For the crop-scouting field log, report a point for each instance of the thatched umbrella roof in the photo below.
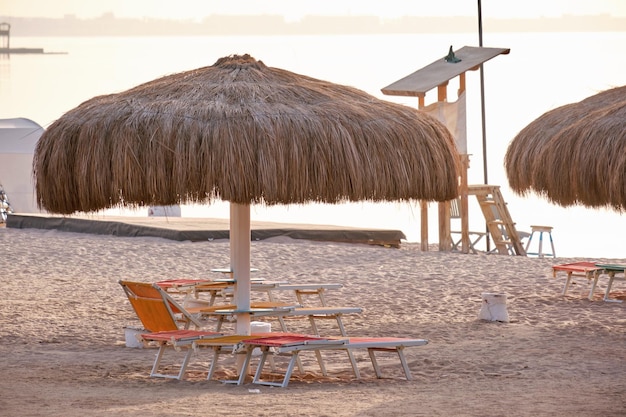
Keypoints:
(245, 133)
(242, 132)
(574, 154)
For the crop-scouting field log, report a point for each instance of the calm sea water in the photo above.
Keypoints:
(543, 71)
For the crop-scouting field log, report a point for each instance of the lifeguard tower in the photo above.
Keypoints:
(437, 75)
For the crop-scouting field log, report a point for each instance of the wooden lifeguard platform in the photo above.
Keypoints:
(499, 222)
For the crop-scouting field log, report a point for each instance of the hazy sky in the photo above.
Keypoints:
(294, 9)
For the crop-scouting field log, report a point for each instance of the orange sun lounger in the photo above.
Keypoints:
(159, 317)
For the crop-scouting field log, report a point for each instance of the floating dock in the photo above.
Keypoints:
(21, 51)
(5, 44)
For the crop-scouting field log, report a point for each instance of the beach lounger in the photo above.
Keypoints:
(613, 271)
(161, 317)
(293, 346)
(301, 290)
(228, 344)
(233, 344)
(588, 270)
(219, 288)
(321, 313)
(592, 271)
(282, 311)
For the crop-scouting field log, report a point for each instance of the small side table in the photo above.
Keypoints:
(541, 230)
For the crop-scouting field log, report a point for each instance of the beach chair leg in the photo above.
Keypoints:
(290, 367)
(322, 298)
(288, 372)
(594, 283)
(245, 365)
(320, 362)
(218, 326)
(530, 239)
(299, 363)
(213, 365)
(299, 297)
(242, 371)
(374, 363)
(318, 354)
(157, 360)
(568, 281)
(342, 329)
(157, 363)
(608, 290)
(405, 365)
(313, 326)
(183, 366)
(259, 370)
(283, 327)
(355, 367)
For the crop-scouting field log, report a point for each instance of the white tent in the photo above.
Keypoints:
(18, 138)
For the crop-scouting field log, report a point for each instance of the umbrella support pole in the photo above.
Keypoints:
(240, 267)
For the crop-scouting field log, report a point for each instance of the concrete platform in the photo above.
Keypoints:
(201, 229)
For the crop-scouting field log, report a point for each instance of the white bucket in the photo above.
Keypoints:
(494, 307)
(132, 336)
(259, 327)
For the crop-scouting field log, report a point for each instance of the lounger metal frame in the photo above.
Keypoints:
(349, 344)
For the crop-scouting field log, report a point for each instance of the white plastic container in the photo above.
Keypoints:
(131, 335)
(494, 307)
(259, 327)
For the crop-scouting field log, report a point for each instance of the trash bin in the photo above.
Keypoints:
(494, 307)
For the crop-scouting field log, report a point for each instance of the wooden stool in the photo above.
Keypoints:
(540, 230)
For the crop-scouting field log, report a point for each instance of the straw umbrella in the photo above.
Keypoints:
(574, 154)
(246, 133)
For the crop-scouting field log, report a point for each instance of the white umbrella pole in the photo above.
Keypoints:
(240, 262)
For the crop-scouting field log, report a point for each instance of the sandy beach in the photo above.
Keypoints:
(63, 353)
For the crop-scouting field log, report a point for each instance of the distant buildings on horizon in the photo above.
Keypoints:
(109, 25)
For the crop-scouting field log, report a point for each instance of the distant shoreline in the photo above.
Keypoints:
(227, 25)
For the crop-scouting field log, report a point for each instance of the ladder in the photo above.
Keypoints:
(499, 222)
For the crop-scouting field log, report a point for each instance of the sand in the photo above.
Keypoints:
(63, 352)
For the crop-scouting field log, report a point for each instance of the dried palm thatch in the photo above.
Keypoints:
(241, 132)
(574, 154)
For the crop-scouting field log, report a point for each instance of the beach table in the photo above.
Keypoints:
(615, 273)
(587, 270)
